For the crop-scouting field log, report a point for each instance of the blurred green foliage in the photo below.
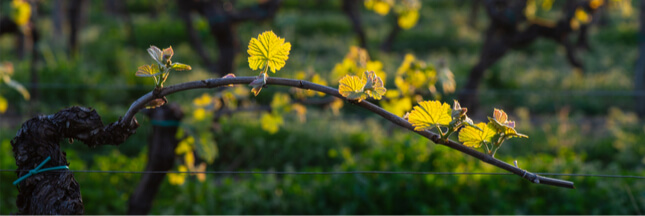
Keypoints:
(574, 126)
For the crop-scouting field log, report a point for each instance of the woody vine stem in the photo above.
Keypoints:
(140, 103)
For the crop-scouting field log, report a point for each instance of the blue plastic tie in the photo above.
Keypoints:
(38, 170)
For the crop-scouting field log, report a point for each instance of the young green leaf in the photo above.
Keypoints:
(180, 67)
(268, 50)
(147, 71)
(474, 138)
(429, 114)
(351, 87)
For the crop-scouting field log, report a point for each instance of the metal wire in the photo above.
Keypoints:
(335, 173)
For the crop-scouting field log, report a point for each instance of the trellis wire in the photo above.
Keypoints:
(334, 173)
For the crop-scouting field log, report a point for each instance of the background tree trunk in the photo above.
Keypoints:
(639, 74)
(161, 157)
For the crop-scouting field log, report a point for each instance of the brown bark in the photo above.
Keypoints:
(352, 9)
(639, 74)
(57, 192)
(161, 155)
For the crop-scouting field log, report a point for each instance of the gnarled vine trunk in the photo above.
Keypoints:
(57, 192)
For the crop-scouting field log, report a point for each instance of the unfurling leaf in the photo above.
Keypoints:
(258, 83)
(180, 67)
(373, 85)
(156, 103)
(156, 54)
(271, 123)
(351, 87)
(268, 50)
(166, 54)
(429, 114)
(503, 125)
(474, 138)
(147, 71)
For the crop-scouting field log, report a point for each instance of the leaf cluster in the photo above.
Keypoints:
(434, 114)
(160, 71)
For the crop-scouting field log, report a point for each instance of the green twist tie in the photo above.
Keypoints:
(165, 123)
(38, 170)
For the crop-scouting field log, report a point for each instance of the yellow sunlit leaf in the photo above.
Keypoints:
(474, 138)
(381, 8)
(268, 50)
(582, 16)
(429, 114)
(351, 87)
(3, 104)
(203, 100)
(178, 178)
(594, 4)
(408, 19)
(189, 160)
(271, 123)
(199, 114)
(21, 12)
(184, 146)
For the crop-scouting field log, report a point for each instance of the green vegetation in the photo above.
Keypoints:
(575, 126)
